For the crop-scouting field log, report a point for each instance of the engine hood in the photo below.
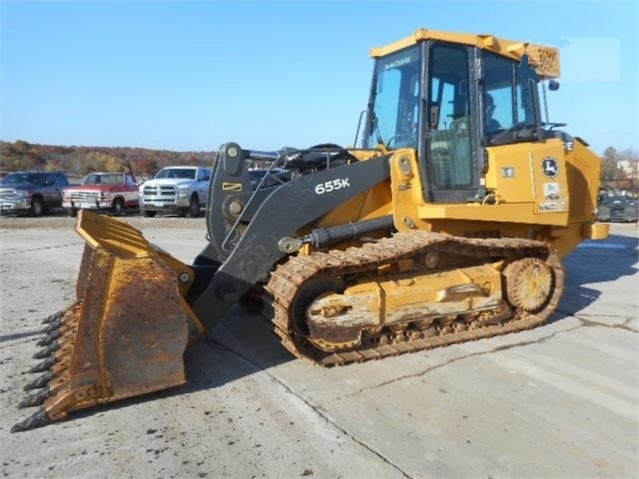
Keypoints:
(168, 182)
(18, 186)
(89, 188)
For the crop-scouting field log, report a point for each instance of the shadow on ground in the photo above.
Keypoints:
(596, 262)
(243, 344)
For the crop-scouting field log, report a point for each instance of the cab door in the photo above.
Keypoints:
(51, 191)
(450, 140)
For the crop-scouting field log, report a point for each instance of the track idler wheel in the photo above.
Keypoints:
(530, 283)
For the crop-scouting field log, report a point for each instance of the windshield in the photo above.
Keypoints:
(183, 173)
(508, 103)
(97, 179)
(16, 178)
(394, 108)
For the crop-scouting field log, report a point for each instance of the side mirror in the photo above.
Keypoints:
(553, 85)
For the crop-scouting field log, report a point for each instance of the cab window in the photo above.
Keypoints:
(203, 175)
(449, 118)
(508, 103)
(396, 100)
(498, 97)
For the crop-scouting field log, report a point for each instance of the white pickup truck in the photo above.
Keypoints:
(181, 189)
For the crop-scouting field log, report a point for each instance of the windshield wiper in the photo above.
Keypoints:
(520, 130)
(554, 125)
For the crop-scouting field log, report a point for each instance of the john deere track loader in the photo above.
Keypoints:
(446, 223)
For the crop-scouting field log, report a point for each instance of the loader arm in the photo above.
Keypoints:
(216, 289)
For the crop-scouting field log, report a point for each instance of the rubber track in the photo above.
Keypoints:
(288, 277)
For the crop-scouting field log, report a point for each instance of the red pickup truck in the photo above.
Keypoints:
(102, 191)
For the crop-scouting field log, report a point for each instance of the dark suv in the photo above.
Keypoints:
(32, 192)
(618, 208)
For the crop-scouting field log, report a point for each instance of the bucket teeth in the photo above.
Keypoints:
(47, 351)
(54, 326)
(37, 419)
(53, 317)
(43, 365)
(49, 338)
(35, 399)
(126, 333)
(40, 381)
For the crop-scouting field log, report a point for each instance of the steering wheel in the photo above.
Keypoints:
(401, 138)
(343, 152)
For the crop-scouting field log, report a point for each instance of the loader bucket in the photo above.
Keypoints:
(126, 333)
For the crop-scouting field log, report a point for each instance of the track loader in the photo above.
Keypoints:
(446, 222)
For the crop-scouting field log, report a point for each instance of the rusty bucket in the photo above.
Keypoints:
(126, 333)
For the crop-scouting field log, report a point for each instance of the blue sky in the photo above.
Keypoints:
(193, 75)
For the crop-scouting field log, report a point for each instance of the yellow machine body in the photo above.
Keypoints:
(448, 272)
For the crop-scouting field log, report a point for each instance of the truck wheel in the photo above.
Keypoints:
(149, 214)
(72, 212)
(194, 207)
(118, 207)
(37, 207)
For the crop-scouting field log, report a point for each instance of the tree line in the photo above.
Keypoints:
(80, 160)
(620, 169)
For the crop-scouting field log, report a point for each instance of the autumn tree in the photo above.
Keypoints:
(628, 161)
(610, 170)
(54, 165)
(80, 160)
(21, 147)
(147, 166)
(113, 164)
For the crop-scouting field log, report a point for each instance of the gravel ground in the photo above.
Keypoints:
(558, 401)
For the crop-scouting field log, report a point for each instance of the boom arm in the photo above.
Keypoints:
(216, 288)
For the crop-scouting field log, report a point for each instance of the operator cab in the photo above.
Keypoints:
(449, 97)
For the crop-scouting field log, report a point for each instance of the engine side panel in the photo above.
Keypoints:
(529, 192)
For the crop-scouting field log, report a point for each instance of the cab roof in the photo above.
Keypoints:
(544, 59)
